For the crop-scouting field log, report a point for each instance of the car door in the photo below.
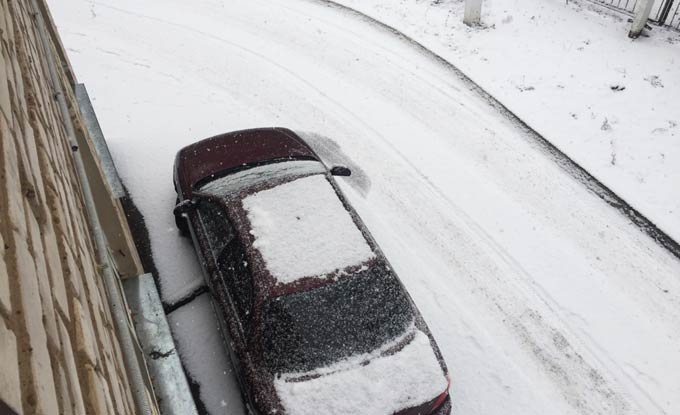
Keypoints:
(229, 275)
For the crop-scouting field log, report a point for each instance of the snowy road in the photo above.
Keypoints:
(542, 297)
(561, 66)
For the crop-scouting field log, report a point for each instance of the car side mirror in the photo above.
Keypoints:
(185, 206)
(340, 171)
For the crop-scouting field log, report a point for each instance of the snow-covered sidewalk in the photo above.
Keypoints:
(569, 71)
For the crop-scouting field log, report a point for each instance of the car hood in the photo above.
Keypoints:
(378, 383)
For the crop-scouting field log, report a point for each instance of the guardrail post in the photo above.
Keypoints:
(644, 8)
(473, 12)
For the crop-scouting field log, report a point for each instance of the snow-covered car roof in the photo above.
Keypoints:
(302, 229)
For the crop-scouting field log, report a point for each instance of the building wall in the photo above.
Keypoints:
(59, 352)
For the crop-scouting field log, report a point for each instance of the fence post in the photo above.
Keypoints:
(473, 12)
(641, 16)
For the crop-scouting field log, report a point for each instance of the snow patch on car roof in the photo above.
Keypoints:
(302, 229)
(367, 384)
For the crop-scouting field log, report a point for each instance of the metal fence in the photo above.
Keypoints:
(622, 5)
(664, 12)
(669, 14)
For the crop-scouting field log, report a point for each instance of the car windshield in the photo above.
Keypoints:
(354, 315)
(224, 186)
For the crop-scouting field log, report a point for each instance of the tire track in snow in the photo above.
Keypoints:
(573, 375)
(572, 372)
(557, 155)
(584, 385)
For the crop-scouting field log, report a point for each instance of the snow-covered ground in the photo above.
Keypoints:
(568, 69)
(543, 298)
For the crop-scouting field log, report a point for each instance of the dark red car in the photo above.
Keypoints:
(315, 319)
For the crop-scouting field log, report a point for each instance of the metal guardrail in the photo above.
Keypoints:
(669, 14)
(623, 5)
(664, 12)
(167, 374)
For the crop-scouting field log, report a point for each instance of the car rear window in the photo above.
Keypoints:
(302, 229)
(354, 315)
